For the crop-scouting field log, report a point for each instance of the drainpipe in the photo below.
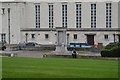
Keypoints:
(68, 38)
(114, 37)
(26, 34)
(9, 25)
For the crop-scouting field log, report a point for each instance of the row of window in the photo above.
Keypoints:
(33, 36)
(106, 37)
(75, 36)
(78, 15)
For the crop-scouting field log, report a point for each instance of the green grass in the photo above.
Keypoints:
(47, 50)
(0, 67)
(14, 67)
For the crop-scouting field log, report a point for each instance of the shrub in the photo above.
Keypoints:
(115, 51)
(111, 50)
(111, 45)
(105, 53)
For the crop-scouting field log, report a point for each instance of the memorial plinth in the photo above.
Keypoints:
(61, 46)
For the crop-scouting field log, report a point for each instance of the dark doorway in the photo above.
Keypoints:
(90, 39)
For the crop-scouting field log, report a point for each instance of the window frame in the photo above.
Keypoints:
(106, 36)
(46, 36)
(33, 36)
(75, 36)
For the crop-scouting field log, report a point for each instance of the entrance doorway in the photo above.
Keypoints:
(90, 39)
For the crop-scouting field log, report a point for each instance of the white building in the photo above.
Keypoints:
(87, 21)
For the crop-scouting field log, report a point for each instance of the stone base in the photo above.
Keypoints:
(61, 50)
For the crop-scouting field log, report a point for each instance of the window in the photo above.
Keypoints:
(108, 15)
(3, 37)
(3, 10)
(93, 15)
(75, 36)
(33, 36)
(51, 15)
(37, 11)
(64, 15)
(46, 36)
(78, 15)
(106, 37)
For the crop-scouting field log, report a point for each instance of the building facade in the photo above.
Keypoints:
(86, 21)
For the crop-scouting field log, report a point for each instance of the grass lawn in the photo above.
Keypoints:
(0, 67)
(14, 67)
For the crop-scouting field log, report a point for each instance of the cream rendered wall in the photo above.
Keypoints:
(29, 15)
(100, 15)
(0, 19)
(114, 14)
(50, 40)
(86, 22)
(12, 7)
(100, 37)
(71, 15)
(44, 15)
(119, 15)
(5, 20)
(57, 14)
(23, 16)
(81, 38)
(40, 37)
(23, 37)
(15, 21)
(86, 17)
(22, 21)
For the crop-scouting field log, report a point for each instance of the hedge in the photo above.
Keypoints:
(111, 50)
